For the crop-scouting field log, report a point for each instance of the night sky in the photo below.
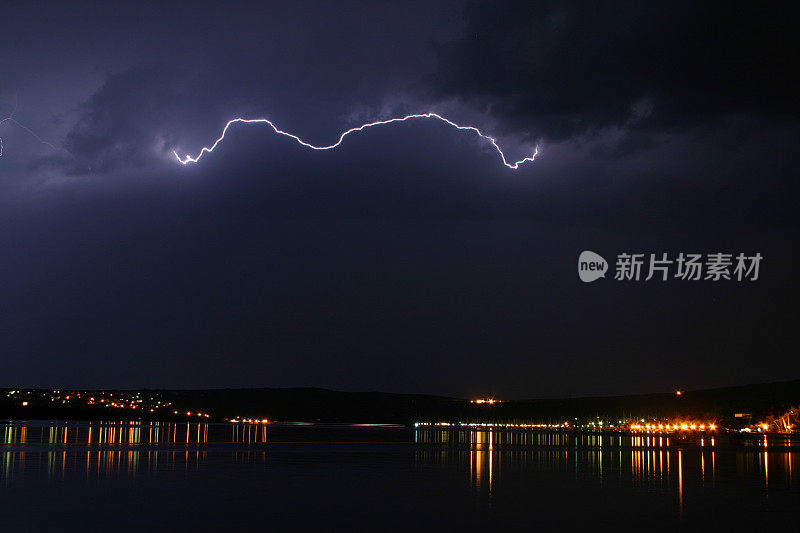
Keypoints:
(409, 259)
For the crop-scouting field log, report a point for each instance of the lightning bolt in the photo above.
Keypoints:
(10, 118)
(513, 165)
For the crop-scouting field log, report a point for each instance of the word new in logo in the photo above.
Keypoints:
(591, 266)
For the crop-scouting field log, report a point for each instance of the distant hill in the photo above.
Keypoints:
(720, 403)
(322, 405)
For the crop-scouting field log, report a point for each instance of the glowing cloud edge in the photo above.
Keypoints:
(515, 165)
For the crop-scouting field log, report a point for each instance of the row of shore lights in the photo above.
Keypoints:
(674, 427)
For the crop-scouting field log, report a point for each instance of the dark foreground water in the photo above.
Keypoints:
(219, 477)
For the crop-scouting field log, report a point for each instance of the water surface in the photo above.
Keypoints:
(120, 476)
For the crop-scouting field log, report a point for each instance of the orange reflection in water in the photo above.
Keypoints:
(106, 434)
(481, 457)
(680, 481)
(129, 449)
(660, 463)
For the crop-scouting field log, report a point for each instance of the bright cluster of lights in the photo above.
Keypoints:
(189, 413)
(683, 426)
(491, 140)
(491, 425)
(485, 400)
(761, 428)
(237, 420)
(72, 398)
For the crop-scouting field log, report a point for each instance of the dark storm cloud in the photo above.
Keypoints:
(369, 269)
(119, 125)
(560, 68)
(172, 73)
(409, 258)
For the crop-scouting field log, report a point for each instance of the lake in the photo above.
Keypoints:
(104, 476)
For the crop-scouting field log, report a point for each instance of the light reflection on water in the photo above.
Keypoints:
(490, 464)
(644, 460)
